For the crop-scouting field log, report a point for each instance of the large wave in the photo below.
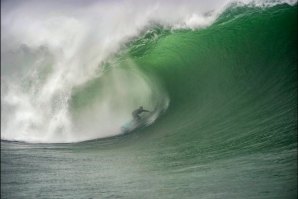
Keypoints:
(73, 71)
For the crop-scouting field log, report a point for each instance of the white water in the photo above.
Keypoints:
(50, 48)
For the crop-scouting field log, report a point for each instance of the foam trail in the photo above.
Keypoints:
(51, 48)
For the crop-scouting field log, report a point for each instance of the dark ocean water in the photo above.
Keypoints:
(230, 130)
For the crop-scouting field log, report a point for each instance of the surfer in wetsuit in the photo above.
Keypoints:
(136, 113)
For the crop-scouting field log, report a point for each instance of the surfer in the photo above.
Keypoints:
(136, 113)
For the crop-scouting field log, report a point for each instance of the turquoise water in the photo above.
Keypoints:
(229, 131)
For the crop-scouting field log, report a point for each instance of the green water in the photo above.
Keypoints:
(230, 130)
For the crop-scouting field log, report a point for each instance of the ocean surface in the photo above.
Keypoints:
(220, 81)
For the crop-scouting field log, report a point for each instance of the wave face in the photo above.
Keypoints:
(234, 82)
(220, 78)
